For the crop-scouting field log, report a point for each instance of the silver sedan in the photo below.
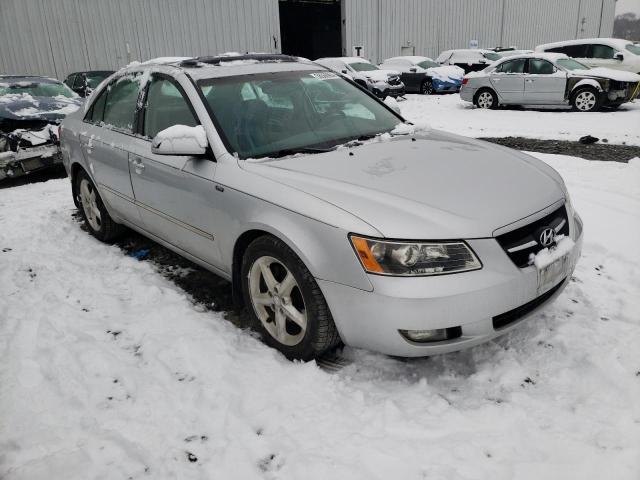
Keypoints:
(548, 79)
(333, 218)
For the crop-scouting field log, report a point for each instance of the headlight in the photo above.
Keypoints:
(399, 258)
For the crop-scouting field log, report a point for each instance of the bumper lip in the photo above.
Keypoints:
(470, 300)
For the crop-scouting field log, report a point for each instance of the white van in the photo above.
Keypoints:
(599, 52)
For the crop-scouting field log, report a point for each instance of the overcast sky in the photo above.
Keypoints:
(624, 6)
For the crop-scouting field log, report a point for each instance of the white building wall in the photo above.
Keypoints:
(431, 26)
(56, 37)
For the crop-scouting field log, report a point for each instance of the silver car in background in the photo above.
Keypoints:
(549, 79)
(332, 217)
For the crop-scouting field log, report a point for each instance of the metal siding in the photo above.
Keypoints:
(56, 37)
(385, 26)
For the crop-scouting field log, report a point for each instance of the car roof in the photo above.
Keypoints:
(552, 57)
(27, 78)
(480, 50)
(617, 42)
(411, 58)
(347, 59)
(226, 65)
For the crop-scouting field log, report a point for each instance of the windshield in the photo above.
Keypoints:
(38, 89)
(363, 66)
(428, 64)
(268, 114)
(633, 48)
(492, 56)
(94, 79)
(571, 64)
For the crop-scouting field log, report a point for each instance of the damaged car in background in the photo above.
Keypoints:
(549, 79)
(30, 110)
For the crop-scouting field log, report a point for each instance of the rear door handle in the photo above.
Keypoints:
(529, 80)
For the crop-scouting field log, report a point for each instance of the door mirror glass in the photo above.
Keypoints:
(180, 140)
(618, 56)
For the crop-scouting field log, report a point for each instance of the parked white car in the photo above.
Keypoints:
(470, 60)
(423, 75)
(381, 83)
(599, 52)
(549, 79)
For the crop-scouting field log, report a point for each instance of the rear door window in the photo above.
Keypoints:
(602, 51)
(512, 66)
(121, 103)
(166, 106)
(537, 66)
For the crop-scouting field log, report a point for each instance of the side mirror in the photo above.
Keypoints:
(344, 70)
(413, 69)
(482, 61)
(180, 140)
(619, 56)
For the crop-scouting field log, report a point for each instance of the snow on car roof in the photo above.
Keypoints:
(26, 79)
(617, 42)
(347, 59)
(552, 57)
(411, 58)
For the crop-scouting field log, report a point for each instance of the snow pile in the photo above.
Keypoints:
(547, 256)
(181, 137)
(446, 73)
(450, 113)
(110, 371)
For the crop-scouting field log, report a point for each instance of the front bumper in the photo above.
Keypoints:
(470, 300)
(389, 90)
(27, 160)
(443, 86)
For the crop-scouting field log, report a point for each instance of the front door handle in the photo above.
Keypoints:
(137, 164)
(529, 80)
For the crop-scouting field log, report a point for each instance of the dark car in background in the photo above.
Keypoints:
(83, 83)
(30, 110)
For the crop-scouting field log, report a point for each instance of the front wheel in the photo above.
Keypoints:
(486, 99)
(284, 301)
(426, 88)
(586, 100)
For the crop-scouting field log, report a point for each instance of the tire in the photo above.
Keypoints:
(313, 332)
(586, 99)
(95, 215)
(486, 99)
(426, 87)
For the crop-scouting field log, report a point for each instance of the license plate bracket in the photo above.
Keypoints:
(550, 275)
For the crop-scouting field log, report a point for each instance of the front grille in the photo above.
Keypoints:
(523, 241)
(505, 319)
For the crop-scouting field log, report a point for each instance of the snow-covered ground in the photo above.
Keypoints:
(450, 113)
(108, 370)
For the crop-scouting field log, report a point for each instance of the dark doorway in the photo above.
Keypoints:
(311, 28)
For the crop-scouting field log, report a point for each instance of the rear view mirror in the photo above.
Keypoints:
(180, 140)
(619, 56)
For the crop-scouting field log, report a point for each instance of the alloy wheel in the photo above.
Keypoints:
(90, 205)
(427, 88)
(485, 100)
(277, 300)
(585, 101)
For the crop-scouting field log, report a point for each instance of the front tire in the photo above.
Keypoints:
(586, 99)
(284, 301)
(486, 99)
(426, 87)
(95, 215)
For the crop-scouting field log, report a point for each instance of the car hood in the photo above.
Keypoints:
(446, 73)
(610, 73)
(434, 187)
(16, 107)
(380, 75)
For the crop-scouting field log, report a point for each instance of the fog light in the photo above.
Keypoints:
(429, 336)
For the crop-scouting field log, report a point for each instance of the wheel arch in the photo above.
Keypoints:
(483, 89)
(74, 170)
(587, 82)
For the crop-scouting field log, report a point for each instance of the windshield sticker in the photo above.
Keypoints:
(324, 75)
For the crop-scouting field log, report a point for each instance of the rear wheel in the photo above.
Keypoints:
(486, 99)
(426, 87)
(284, 301)
(586, 99)
(95, 215)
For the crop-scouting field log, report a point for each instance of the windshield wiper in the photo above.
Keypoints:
(292, 151)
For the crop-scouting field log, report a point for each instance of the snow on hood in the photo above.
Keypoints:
(380, 75)
(22, 106)
(618, 75)
(446, 73)
(438, 186)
